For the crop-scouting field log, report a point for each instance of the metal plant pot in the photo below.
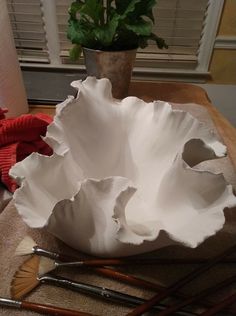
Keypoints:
(114, 65)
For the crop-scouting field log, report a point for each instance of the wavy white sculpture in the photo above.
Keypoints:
(122, 178)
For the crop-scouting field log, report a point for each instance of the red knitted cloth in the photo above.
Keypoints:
(19, 137)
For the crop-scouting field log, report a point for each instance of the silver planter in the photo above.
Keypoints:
(114, 65)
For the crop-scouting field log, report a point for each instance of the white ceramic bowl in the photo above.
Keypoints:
(122, 179)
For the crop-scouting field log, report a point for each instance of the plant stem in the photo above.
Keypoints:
(108, 6)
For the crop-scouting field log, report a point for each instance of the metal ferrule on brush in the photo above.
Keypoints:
(42, 252)
(9, 303)
(69, 264)
(102, 292)
(55, 280)
(91, 289)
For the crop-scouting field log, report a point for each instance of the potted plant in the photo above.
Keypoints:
(109, 33)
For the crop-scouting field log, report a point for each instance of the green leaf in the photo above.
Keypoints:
(93, 9)
(105, 34)
(124, 7)
(136, 9)
(159, 41)
(144, 8)
(121, 5)
(74, 8)
(81, 33)
(74, 32)
(75, 52)
(143, 42)
(140, 27)
(130, 8)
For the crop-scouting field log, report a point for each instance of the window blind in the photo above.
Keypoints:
(28, 30)
(62, 18)
(181, 24)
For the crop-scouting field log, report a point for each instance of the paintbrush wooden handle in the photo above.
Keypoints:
(197, 297)
(41, 308)
(105, 262)
(129, 279)
(51, 310)
(220, 306)
(180, 283)
(136, 261)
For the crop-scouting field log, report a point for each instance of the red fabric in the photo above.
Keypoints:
(19, 137)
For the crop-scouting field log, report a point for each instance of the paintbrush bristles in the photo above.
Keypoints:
(25, 247)
(26, 278)
(46, 265)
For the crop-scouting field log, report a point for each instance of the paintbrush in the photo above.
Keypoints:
(46, 265)
(26, 279)
(28, 246)
(181, 282)
(220, 306)
(170, 310)
(40, 308)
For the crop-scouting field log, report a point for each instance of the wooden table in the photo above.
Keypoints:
(177, 93)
